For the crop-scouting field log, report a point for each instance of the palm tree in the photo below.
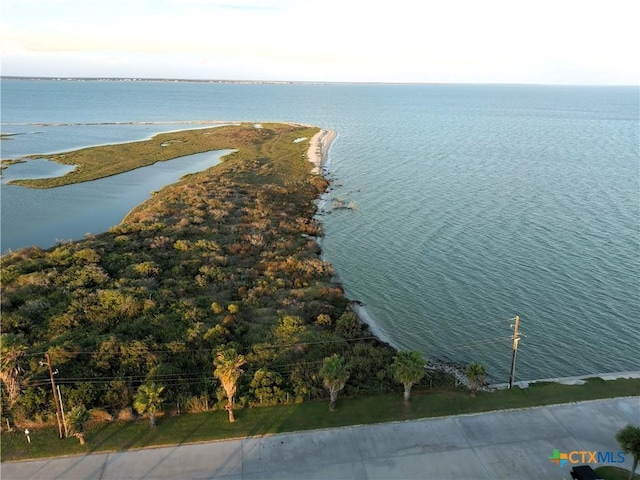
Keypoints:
(77, 419)
(629, 440)
(148, 399)
(408, 369)
(335, 374)
(11, 352)
(477, 374)
(228, 363)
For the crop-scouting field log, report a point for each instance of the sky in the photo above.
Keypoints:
(584, 42)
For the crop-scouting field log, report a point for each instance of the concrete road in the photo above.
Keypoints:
(515, 444)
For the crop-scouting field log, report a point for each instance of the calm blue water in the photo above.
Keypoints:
(46, 216)
(474, 203)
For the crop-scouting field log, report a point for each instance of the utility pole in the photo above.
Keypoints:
(55, 395)
(516, 339)
(64, 421)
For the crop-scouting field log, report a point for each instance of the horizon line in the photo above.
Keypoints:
(287, 82)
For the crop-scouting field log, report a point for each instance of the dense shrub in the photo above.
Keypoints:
(221, 258)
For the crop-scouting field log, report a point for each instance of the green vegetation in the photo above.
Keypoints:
(408, 369)
(180, 429)
(334, 373)
(629, 440)
(225, 259)
(613, 473)
(12, 351)
(228, 371)
(148, 400)
(477, 375)
(106, 160)
(77, 420)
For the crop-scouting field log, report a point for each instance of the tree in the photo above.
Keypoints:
(11, 352)
(266, 387)
(148, 399)
(228, 371)
(408, 369)
(477, 374)
(335, 374)
(349, 326)
(629, 440)
(77, 419)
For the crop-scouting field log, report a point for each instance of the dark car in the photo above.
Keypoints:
(584, 472)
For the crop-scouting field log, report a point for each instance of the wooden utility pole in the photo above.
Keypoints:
(516, 339)
(55, 395)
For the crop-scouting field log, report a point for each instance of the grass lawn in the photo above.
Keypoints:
(612, 473)
(190, 428)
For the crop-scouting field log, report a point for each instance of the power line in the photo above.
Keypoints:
(209, 350)
(192, 378)
(188, 378)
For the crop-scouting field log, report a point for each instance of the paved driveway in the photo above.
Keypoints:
(514, 444)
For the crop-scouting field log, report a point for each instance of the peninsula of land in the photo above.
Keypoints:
(224, 259)
(101, 161)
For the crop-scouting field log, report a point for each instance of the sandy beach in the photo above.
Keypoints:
(318, 148)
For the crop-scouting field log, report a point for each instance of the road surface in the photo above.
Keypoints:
(513, 444)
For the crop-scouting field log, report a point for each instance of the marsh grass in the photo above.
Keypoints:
(274, 142)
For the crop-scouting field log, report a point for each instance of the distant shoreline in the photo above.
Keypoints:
(142, 79)
(290, 82)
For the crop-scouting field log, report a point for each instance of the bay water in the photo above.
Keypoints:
(474, 203)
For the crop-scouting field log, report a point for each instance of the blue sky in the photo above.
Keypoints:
(461, 41)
